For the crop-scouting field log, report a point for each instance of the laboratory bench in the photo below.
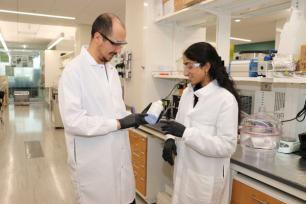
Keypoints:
(279, 179)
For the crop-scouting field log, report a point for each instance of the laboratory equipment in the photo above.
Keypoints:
(239, 68)
(265, 68)
(283, 63)
(260, 132)
(288, 146)
(302, 138)
(253, 68)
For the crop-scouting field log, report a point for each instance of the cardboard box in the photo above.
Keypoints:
(303, 53)
(191, 2)
(301, 66)
(179, 5)
(168, 7)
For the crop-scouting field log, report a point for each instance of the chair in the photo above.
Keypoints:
(1, 103)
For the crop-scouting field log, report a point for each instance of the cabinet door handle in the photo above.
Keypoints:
(258, 200)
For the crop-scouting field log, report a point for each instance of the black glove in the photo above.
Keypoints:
(169, 151)
(146, 108)
(173, 128)
(132, 120)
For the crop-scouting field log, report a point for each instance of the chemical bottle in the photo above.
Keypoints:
(154, 112)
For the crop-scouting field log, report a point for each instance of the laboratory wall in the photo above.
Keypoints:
(151, 47)
(155, 47)
(82, 37)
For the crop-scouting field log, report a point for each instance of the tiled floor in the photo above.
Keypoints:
(27, 174)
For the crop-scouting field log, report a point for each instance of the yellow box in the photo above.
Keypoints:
(303, 53)
(179, 5)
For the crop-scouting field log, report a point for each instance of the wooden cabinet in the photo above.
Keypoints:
(244, 194)
(151, 172)
(139, 159)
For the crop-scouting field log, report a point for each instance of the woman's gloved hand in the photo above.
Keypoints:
(173, 128)
(132, 120)
(169, 151)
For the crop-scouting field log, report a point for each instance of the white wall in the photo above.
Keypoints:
(278, 28)
(52, 65)
(153, 45)
(82, 37)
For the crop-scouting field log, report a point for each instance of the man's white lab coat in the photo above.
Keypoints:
(90, 100)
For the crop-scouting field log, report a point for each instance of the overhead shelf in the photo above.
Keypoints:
(206, 11)
(286, 80)
(170, 76)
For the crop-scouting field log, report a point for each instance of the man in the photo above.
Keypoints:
(94, 116)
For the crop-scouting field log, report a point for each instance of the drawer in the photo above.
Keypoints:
(244, 194)
(139, 161)
(141, 185)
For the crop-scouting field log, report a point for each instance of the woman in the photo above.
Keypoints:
(205, 130)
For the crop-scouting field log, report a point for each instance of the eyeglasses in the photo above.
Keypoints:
(119, 43)
(190, 65)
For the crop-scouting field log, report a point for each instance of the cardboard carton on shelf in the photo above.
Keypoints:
(179, 5)
(191, 2)
(303, 53)
(301, 65)
(168, 7)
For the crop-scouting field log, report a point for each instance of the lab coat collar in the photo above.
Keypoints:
(90, 58)
(210, 87)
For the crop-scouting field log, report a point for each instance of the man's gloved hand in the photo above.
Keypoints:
(169, 151)
(132, 120)
(146, 108)
(173, 128)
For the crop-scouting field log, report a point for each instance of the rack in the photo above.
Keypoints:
(170, 76)
(207, 10)
(292, 80)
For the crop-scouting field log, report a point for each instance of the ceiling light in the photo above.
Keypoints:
(56, 41)
(3, 43)
(240, 39)
(36, 14)
(237, 20)
(145, 4)
(24, 46)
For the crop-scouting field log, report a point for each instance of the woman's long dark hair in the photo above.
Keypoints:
(202, 53)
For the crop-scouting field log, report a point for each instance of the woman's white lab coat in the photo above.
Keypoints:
(90, 101)
(201, 171)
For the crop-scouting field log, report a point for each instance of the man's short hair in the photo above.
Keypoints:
(104, 24)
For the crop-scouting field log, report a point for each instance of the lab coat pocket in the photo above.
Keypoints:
(199, 187)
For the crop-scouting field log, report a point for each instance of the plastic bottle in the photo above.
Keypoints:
(154, 112)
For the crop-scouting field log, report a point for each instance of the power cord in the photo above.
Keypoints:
(300, 117)
(174, 87)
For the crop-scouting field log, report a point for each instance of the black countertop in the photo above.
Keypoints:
(289, 169)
